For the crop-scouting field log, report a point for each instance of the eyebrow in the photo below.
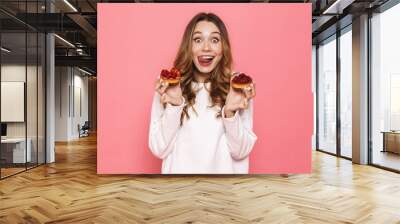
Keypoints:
(198, 32)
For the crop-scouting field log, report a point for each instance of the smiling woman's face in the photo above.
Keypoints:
(206, 46)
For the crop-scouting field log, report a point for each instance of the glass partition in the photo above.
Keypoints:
(14, 153)
(327, 95)
(22, 101)
(385, 89)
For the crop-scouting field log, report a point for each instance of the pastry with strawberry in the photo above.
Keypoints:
(241, 81)
(172, 77)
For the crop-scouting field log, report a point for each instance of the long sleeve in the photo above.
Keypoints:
(164, 125)
(239, 132)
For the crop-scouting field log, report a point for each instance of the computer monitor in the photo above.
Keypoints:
(3, 129)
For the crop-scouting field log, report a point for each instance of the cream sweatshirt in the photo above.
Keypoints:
(204, 144)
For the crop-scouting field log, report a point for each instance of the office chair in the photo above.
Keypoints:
(84, 130)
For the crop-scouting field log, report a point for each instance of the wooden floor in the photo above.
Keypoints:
(70, 191)
(5, 172)
(387, 159)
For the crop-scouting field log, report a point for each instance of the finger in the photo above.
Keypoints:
(165, 98)
(230, 82)
(160, 86)
(250, 91)
(247, 92)
(242, 104)
(164, 86)
(253, 85)
(233, 74)
(157, 85)
(161, 90)
(245, 104)
(162, 98)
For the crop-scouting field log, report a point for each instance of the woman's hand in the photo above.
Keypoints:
(169, 94)
(238, 99)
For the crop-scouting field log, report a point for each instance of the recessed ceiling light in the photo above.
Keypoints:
(64, 40)
(84, 71)
(70, 5)
(338, 6)
(5, 50)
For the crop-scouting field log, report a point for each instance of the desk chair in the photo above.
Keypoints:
(84, 130)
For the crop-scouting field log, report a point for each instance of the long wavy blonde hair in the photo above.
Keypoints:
(219, 77)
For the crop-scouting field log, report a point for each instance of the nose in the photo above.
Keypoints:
(206, 46)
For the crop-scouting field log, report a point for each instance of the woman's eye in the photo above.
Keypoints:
(197, 40)
(215, 40)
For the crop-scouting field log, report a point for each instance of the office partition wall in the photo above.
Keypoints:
(22, 99)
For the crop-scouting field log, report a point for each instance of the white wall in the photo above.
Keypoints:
(62, 81)
(80, 83)
(12, 73)
(33, 127)
(70, 83)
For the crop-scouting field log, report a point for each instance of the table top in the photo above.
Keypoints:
(13, 140)
(391, 132)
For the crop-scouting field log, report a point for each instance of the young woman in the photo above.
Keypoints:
(202, 125)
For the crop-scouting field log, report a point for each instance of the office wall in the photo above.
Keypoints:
(71, 102)
(15, 72)
(33, 126)
(62, 81)
(80, 105)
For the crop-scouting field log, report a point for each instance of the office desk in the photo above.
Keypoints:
(391, 141)
(13, 150)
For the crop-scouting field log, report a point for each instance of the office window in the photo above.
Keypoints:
(385, 88)
(314, 90)
(327, 95)
(346, 92)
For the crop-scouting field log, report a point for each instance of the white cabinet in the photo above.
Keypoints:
(18, 149)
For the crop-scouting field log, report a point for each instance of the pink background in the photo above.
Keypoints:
(270, 42)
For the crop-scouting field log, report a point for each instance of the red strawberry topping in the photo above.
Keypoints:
(174, 73)
(242, 79)
(165, 73)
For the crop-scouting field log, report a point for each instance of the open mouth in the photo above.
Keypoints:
(205, 60)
